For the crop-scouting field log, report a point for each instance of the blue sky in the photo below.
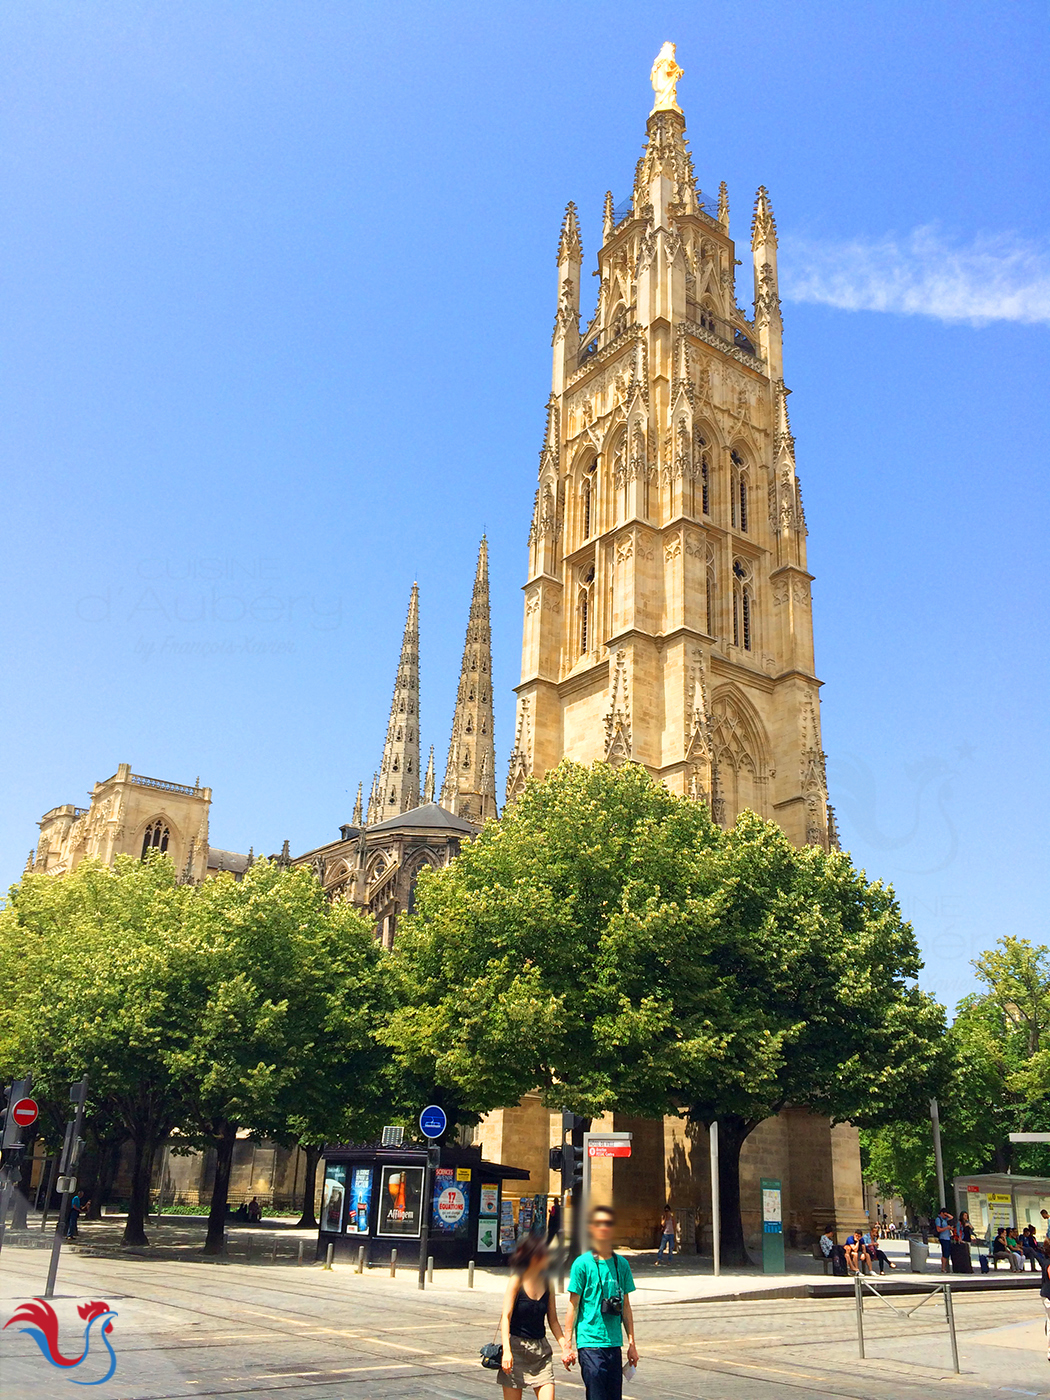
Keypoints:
(278, 283)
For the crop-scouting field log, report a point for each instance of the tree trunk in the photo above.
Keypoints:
(138, 1206)
(226, 1138)
(108, 1165)
(732, 1134)
(308, 1221)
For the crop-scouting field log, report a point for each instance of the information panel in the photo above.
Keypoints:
(772, 1226)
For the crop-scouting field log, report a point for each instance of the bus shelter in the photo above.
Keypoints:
(999, 1199)
(372, 1196)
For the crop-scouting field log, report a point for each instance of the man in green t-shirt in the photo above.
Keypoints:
(600, 1285)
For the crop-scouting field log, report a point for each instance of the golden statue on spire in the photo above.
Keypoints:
(664, 78)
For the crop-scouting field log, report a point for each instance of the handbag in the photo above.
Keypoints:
(492, 1352)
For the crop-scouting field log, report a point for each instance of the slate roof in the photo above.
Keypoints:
(429, 817)
(232, 861)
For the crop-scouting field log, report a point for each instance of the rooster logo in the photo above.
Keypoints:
(43, 1328)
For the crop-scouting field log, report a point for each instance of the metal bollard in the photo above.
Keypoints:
(430, 1268)
(393, 1263)
(302, 1250)
(949, 1310)
(329, 1256)
(361, 1259)
(860, 1316)
(273, 1256)
(470, 1274)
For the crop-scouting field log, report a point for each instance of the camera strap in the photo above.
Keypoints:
(614, 1269)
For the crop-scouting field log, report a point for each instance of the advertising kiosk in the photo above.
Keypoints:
(372, 1196)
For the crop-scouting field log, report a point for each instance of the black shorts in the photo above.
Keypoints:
(946, 1249)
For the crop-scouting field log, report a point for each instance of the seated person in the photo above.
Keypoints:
(856, 1255)
(833, 1251)
(1029, 1246)
(254, 1211)
(1001, 1250)
(876, 1254)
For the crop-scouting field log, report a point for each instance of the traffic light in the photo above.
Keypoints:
(572, 1167)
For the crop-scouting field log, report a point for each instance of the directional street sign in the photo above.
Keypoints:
(25, 1112)
(608, 1147)
(432, 1121)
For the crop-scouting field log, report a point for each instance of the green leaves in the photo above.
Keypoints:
(607, 944)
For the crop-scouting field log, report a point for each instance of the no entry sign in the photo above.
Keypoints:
(25, 1112)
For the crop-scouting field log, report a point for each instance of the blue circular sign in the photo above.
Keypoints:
(432, 1121)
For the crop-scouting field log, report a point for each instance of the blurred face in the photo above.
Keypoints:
(602, 1228)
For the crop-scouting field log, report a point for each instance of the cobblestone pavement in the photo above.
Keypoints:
(243, 1329)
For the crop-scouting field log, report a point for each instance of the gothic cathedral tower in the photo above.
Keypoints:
(667, 608)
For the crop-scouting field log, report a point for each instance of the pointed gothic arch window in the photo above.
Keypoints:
(743, 605)
(711, 600)
(584, 609)
(155, 837)
(470, 724)
(740, 489)
(589, 501)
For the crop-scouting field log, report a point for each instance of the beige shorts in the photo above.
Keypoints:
(532, 1364)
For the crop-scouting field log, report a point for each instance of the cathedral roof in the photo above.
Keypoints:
(428, 817)
(233, 861)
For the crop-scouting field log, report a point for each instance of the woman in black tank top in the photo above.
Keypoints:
(528, 1306)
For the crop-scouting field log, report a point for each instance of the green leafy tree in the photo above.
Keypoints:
(608, 944)
(97, 974)
(289, 990)
(995, 1076)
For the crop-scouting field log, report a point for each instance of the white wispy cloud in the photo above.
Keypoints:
(924, 273)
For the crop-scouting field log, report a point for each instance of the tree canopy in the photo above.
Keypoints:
(993, 1080)
(202, 1008)
(608, 944)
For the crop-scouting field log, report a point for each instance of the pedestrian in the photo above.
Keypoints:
(528, 1307)
(1044, 1293)
(76, 1206)
(554, 1220)
(600, 1288)
(945, 1230)
(666, 1234)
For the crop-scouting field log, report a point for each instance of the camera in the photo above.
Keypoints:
(613, 1307)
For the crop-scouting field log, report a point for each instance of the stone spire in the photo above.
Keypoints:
(373, 801)
(768, 322)
(428, 782)
(469, 788)
(570, 246)
(608, 217)
(357, 806)
(399, 771)
(723, 205)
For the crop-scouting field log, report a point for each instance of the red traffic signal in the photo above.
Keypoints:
(25, 1112)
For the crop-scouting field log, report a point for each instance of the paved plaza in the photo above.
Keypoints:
(185, 1327)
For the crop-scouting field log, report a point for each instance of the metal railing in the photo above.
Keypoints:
(860, 1283)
